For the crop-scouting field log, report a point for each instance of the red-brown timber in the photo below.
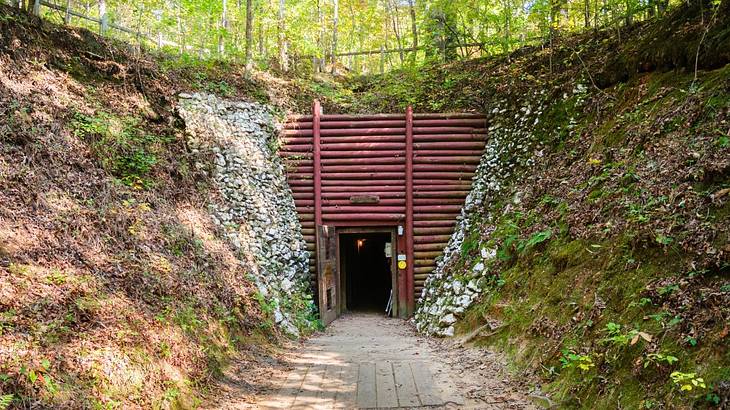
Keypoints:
(416, 170)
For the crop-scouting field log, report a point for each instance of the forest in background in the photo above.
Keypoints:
(343, 36)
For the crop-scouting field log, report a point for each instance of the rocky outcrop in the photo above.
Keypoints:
(257, 211)
(511, 146)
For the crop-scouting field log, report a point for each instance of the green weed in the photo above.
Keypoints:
(617, 337)
(122, 146)
(659, 358)
(579, 361)
(6, 400)
(687, 381)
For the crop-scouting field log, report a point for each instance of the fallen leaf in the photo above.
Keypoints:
(719, 194)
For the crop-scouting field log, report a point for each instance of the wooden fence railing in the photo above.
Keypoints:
(103, 22)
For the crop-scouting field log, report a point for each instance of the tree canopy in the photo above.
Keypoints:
(344, 35)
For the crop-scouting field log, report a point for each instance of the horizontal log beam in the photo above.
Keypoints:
(362, 168)
(371, 177)
(364, 217)
(370, 160)
(439, 201)
(366, 188)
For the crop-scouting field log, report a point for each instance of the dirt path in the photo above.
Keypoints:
(369, 361)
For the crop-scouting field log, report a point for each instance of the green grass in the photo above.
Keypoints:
(122, 146)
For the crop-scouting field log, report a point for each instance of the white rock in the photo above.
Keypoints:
(457, 286)
(448, 319)
(258, 210)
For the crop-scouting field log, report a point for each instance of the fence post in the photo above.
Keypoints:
(37, 8)
(103, 17)
(67, 17)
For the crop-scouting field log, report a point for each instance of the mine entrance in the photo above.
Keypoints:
(367, 266)
(407, 172)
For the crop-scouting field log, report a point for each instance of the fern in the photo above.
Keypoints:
(5, 401)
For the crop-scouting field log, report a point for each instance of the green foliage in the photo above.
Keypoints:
(192, 29)
(6, 400)
(619, 338)
(267, 307)
(687, 381)
(39, 376)
(535, 239)
(304, 312)
(509, 231)
(668, 290)
(723, 141)
(691, 341)
(470, 243)
(188, 320)
(121, 145)
(578, 361)
(712, 399)
(643, 302)
(6, 320)
(218, 87)
(659, 358)
(663, 239)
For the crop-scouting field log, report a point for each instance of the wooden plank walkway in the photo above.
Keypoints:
(366, 385)
(361, 362)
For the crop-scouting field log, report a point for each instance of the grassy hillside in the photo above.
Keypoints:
(116, 290)
(611, 282)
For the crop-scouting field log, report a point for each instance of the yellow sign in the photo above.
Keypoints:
(401, 264)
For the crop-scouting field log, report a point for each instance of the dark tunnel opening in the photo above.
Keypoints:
(367, 270)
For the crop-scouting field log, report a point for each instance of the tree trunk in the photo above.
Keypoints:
(393, 11)
(414, 29)
(180, 32)
(249, 33)
(587, 13)
(321, 38)
(224, 29)
(507, 26)
(335, 22)
(262, 45)
(283, 57)
(355, 61)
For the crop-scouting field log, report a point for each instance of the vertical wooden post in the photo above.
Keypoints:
(316, 111)
(67, 16)
(103, 17)
(410, 301)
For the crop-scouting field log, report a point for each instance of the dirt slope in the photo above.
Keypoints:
(607, 260)
(116, 291)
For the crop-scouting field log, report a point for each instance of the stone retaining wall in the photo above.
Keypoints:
(257, 212)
